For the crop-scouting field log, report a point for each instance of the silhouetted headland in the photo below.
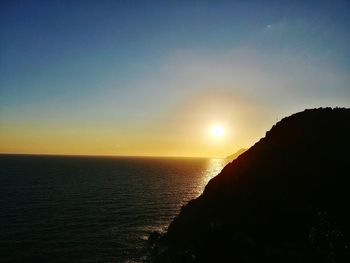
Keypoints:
(235, 155)
(286, 199)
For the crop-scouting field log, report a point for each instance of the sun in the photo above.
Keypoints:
(217, 131)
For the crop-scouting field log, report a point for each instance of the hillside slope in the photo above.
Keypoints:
(286, 199)
(235, 155)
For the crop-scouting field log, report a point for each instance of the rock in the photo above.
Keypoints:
(265, 205)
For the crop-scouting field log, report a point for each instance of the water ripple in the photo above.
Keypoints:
(84, 209)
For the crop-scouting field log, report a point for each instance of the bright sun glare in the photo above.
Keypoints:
(217, 131)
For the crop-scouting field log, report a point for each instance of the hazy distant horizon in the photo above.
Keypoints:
(111, 155)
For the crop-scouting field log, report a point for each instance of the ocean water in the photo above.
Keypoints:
(92, 209)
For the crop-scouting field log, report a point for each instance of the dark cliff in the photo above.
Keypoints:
(286, 199)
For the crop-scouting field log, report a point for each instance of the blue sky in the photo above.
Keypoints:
(129, 66)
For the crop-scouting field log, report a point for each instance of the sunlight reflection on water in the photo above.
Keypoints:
(214, 167)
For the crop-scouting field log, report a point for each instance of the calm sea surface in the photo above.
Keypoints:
(92, 209)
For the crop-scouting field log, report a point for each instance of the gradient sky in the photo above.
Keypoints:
(151, 77)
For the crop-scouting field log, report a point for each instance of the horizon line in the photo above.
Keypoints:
(110, 155)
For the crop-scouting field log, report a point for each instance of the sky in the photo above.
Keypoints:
(150, 78)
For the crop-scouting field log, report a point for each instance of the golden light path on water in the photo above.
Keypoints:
(194, 188)
(214, 167)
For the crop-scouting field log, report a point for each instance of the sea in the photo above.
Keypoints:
(92, 209)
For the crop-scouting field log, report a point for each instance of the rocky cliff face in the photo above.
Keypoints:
(286, 199)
